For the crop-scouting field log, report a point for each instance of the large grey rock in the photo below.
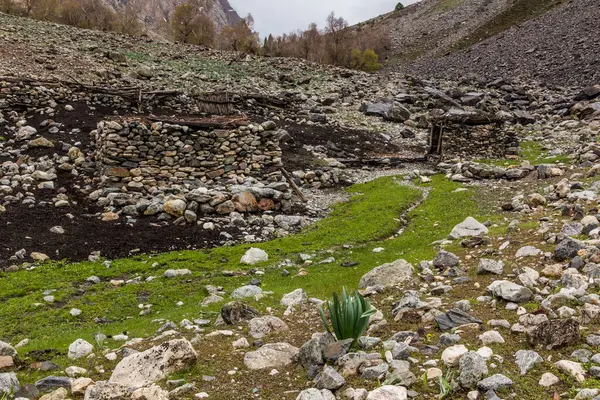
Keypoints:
(315, 394)
(236, 312)
(294, 298)
(378, 109)
(445, 259)
(9, 383)
(454, 318)
(271, 355)
(262, 326)
(7, 350)
(510, 291)
(387, 275)
(490, 266)
(329, 378)
(526, 360)
(50, 383)
(567, 249)
(246, 291)
(155, 364)
(107, 391)
(312, 352)
(555, 333)
(494, 382)
(397, 113)
(388, 392)
(469, 227)
(472, 368)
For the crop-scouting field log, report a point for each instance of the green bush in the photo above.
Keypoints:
(348, 315)
(367, 61)
(399, 7)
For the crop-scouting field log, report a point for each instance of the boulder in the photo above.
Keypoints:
(235, 312)
(469, 227)
(329, 378)
(7, 350)
(472, 369)
(555, 333)
(294, 298)
(510, 291)
(315, 394)
(526, 360)
(445, 259)
(271, 355)
(246, 291)
(9, 383)
(107, 391)
(451, 355)
(572, 368)
(494, 382)
(388, 392)
(487, 266)
(454, 318)
(254, 256)
(155, 364)
(262, 326)
(387, 275)
(79, 349)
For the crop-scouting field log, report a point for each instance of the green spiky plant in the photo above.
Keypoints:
(446, 388)
(348, 315)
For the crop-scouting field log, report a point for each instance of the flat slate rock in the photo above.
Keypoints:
(454, 318)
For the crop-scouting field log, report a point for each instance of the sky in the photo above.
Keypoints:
(283, 16)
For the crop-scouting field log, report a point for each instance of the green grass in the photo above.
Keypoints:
(138, 56)
(529, 151)
(370, 219)
(447, 5)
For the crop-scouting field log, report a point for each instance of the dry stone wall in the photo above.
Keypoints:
(483, 141)
(143, 155)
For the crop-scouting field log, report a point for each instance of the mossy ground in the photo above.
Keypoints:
(532, 152)
(370, 219)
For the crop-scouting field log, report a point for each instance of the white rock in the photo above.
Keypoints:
(254, 256)
(469, 227)
(155, 364)
(452, 354)
(294, 298)
(548, 379)
(388, 392)
(79, 349)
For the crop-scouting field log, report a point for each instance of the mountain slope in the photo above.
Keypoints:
(559, 47)
(154, 13)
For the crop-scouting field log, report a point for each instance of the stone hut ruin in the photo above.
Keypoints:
(471, 135)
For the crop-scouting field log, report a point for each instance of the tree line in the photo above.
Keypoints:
(190, 22)
(88, 14)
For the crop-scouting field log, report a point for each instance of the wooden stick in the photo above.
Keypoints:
(295, 187)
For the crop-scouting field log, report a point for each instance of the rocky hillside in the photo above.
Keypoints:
(561, 47)
(551, 40)
(156, 12)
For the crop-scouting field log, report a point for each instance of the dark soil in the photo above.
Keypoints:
(340, 144)
(28, 227)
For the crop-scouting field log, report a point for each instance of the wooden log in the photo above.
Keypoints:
(295, 187)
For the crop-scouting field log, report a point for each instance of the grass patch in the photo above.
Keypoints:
(370, 219)
(529, 151)
(137, 56)
(446, 5)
